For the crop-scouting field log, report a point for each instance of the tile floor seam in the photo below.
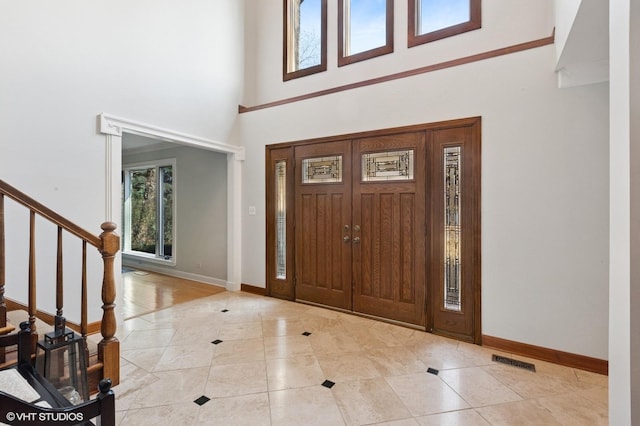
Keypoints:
(453, 390)
(153, 369)
(522, 396)
(342, 414)
(483, 417)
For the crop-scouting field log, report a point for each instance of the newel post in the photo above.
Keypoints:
(109, 346)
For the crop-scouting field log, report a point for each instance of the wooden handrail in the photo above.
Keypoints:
(108, 244)
(49, 214)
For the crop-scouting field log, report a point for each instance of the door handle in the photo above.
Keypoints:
(356, 240)
(346, 238)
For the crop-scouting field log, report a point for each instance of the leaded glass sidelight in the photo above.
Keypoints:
(281, 219)
(452, 229)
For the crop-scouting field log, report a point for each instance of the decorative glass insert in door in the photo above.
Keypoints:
(389, 165)
(452, 229)
(281, 219)
(322, 170)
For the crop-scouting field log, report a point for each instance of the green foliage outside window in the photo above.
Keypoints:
(145, 226)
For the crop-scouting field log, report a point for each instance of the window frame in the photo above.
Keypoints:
(286, 48)
(367, 54)
(474, 23)
(126, 212)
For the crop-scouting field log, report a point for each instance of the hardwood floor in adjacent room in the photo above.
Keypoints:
(145, 292)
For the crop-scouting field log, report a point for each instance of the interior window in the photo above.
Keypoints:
(365, 29)
(305, 37)
(431, 20)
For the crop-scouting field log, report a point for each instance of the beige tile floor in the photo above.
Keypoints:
(266, 372)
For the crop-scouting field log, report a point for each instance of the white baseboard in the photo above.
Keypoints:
(180, 274)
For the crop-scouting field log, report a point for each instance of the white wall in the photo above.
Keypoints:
(565, 14)
(504, 23)
(582, 42)
(169, 63)
(544, 162)
(200, 250)
(178, 65)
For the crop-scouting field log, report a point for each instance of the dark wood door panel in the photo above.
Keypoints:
(408, 244)
(387, 283)
(323, 250)
(389, 278)
(323, 258)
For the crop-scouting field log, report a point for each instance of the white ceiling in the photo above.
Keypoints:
(132, 143)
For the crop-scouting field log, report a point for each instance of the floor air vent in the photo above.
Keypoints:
(513, 362)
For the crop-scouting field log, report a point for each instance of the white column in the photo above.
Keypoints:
(234, 225)
(624, 267)
(634, 255)
(113, 207)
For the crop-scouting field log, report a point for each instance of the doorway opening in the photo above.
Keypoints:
(114, 129)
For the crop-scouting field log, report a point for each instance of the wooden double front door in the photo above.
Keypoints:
(360, 223)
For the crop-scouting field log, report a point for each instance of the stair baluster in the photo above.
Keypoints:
(108, 244)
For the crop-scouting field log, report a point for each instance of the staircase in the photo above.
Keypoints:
(104, 359)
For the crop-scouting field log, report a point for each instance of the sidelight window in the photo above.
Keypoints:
(281, 219)
(452, 229)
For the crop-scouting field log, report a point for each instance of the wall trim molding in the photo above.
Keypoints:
(92, 327)
(409, 73)
(111, 125)
(567, 359)
(147, 266)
